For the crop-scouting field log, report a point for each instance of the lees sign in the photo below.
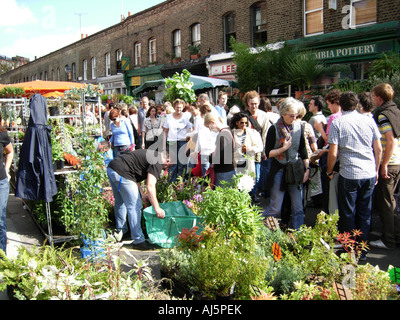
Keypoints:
(228, 68)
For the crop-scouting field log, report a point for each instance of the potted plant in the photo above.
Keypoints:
(57, 149)
(303, 69)
(87, 188)
(194, 51)
(180, 87)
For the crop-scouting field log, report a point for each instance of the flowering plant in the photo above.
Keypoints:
(193, 204)
(245, 183)
(108, 196)
(189, 238)
(352, 246)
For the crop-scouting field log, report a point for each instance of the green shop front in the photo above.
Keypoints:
(137, 77)
(356, 48)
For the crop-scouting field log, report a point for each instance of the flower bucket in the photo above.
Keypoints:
(164, 232)
(92, 249)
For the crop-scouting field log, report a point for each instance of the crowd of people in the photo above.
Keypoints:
(348, 162)
(339, 162)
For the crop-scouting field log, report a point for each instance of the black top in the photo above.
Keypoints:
(4, 142)
(222, 158)
(270, 143)
(137, 164)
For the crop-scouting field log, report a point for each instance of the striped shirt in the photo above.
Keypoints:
(385, 126)
(354, 135)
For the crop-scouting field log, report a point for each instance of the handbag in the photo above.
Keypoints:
(294, 172)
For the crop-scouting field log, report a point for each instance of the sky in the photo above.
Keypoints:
(30, 28)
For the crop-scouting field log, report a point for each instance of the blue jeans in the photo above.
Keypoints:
(178, 159)
(355, 205)
(257, 166)
(223, 176)
(4, 192)
(205, 163)
(276, 200)
(128, 202)
(117, 150)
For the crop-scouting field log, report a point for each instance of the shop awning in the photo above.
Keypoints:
(199, 83)
(148, 85)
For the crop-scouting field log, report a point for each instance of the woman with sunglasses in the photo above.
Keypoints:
(248, 142)
(152, 130)
(122, 137)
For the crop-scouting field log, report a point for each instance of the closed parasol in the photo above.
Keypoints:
(35, 178)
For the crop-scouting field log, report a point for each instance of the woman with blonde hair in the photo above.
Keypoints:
(285, 142)
(176, 126)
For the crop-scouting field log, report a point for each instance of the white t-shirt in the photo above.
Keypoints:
(177, 128)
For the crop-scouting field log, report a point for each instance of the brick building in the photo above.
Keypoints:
(155, 43)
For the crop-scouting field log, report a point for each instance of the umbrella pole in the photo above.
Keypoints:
(49, 227)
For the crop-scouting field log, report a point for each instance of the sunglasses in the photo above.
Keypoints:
(242, 122)
(113, 119)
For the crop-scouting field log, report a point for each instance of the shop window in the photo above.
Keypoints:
(229, 30)
(93, 68)
(138, 54)
(152, 50)
(177, 49)
(313, 17)
(363, 12)
(259, 23)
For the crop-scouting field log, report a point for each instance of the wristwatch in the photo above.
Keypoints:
(329, 174)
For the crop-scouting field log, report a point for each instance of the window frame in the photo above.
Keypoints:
(108, 64)
(309, 12)
(151, 51)
(177, 43)
(93, 64)
(227, 35)
(85, 69)
(254, 25)
(353, 15)
(118, 60)
(195, 30)
(138, 53)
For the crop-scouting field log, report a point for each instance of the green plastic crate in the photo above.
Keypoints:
(178, 216)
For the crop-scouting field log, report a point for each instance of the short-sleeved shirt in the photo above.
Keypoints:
(177, 128)
(318, 117)
(354, 135)
(384, 127)
(136, 165)
(4, 142)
